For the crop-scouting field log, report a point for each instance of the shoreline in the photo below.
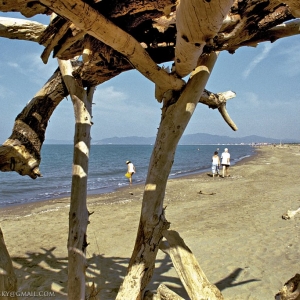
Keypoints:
(44, 202)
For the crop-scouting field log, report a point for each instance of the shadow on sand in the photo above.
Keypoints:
(44, 272)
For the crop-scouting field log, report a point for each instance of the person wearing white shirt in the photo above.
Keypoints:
(215, 164)
(130, 170)
(225, 162)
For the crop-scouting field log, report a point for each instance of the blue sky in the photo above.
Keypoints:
(266, 80)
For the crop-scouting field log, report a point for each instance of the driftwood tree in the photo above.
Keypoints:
(112, 37)
(78, 215)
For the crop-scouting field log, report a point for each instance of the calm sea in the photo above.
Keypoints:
(106, 169)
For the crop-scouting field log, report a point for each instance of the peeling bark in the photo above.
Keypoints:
(21, 151)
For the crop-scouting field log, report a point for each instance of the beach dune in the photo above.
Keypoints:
(234, 228)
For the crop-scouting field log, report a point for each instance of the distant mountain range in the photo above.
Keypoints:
(196, 139)
(189, 139)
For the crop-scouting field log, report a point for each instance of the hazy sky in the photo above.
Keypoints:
(266, 80)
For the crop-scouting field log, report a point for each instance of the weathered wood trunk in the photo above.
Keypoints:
(174, 120)
(8, 279)
(187, 267)
(78, 215)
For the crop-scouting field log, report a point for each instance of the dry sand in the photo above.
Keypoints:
(238, 235)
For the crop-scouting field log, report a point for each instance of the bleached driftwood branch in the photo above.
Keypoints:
(290, 290)
(188, 269)
(206, 193)
(163, 293)
(21, 29)
(196, 26)
(290, 28)
(219, 101)
(27, 8)
(71, 40)
(78, 215)
(54, 41)
(290, 214)
(223, 111)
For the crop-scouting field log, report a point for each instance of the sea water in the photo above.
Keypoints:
(107, 166)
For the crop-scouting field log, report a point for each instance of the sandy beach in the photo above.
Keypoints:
(237, 234)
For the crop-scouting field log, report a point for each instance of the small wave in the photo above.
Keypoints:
(189, 171)
(240, 158)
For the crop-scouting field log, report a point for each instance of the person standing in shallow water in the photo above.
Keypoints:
(130, 170)
(215, 164)
(225, 161)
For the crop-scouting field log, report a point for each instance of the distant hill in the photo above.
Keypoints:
(194, 139)
(203, 138)
(57, 142)
(132, 140)
(189, 139)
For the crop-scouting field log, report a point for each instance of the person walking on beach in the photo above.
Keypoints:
(215, 164)
(225, 161)
(130, 170)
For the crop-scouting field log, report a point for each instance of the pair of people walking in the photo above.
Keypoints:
(225, 162)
